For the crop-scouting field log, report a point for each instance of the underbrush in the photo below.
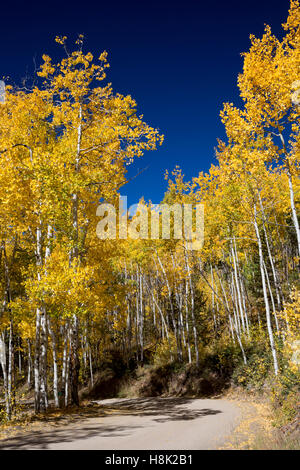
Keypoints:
(278, 442)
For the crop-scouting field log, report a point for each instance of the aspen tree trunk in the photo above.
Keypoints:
(5, 378)
(129, 319)
(192, 308)
(244, 296)
(274, 272)
(242, 288)
(137, 317)
(263, 278)
(213, 298)
(227, 305)
(178, 298)
(141, 331)
(43, 362)
(235, 306)
(241, 346)
(237, 288)
(271, 297)
(179, 301)
(163, 321)
(91, 366)
(40, 362)
(74, 364)
(236, 323)
(55, 365)
(294, 212)
(64, 370)
(129, 326)
(37, 363)
(84, 350)
(292, 197)
(10, 375)
(187, 322)
(67, 372)
(29, 364)
(154, 314)
(235, 315)
(179, 350)
(231, 328)
(20, 357)
(181, 323)
(37, 383)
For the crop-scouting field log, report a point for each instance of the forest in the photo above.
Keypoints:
(71, 303)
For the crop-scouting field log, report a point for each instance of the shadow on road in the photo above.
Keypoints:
(171, 408)
(40, 439)
(81, 425)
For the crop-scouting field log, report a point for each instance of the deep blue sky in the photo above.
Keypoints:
(179, 60)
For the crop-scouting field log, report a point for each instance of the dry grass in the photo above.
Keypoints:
(256, 430)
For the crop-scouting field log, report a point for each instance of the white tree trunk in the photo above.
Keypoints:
(267, 306)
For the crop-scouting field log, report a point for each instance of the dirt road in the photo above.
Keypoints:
(141, 423)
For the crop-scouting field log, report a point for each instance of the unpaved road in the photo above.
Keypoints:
(140, 423)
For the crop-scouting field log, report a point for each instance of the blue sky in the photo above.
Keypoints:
(179, 60)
